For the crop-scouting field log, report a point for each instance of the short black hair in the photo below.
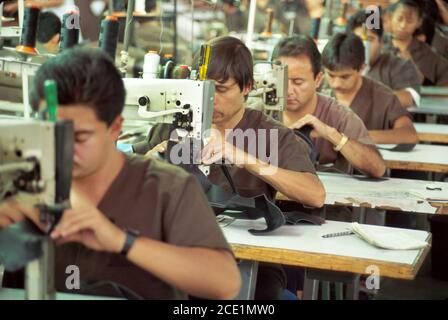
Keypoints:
(417, 5)
(229, 57)
(344, 50)
(298, 45)
(84, 76)
(359, 19)
(48, 26)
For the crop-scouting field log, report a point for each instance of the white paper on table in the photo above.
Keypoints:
(388, 239)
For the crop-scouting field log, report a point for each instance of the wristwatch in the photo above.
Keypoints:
(342, 143)
(131, 236)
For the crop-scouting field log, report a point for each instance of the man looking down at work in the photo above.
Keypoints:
(340, 137)
(378, 107)
(242, 139)
(399, 75)
(179, 248)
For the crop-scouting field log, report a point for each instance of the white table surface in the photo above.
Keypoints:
(434, 91)
(19, 294)
(430, 105)
(425, 154)
(433, 128)
(393, 193)
(308, 239)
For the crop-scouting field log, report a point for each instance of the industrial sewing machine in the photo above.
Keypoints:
(187, 105)
(35, 169)
(270, 88)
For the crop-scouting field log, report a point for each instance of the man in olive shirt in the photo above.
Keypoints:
(378, 107)
(405, 19)
(231, 68)
(330, 121)
(292, 173)
(180, 248)
(400, 75)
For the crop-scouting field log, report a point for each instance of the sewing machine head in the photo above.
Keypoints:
(271, 88)
(34, 160)
(186, 104)
(35, 169)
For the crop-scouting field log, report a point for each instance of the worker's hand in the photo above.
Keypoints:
(12, 212)
(90, 227)
(161, 147)
(320, 129)
(217, 150)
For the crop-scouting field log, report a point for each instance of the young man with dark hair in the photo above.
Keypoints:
(406, 18)
(231, 68)
(331, 122)
(377, 106)
(400, 75)
(48, 33)
(180, 248)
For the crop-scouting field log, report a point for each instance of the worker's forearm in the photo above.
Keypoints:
(363, 157)
(395, 136)
(302, 187)
(201, 272)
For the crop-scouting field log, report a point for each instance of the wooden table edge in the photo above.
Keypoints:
(338, 263)
(416, 166)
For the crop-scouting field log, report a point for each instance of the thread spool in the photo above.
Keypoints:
(204, 61)
(151, 65)
(69, 30)
(167, 57)
(109, 35)
(366, 44)
(29, 31)
(342, 20)
(268, 27)
(315, 26)
(140, 6)
(51, 97)
(167, 69)
(181, 72)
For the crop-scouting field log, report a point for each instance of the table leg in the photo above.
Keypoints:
(359, 215)
(339, 290)
(249, 271)
(310, 288)
(2, 272)
(325, 290)
(353, 289)
(362, 215)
